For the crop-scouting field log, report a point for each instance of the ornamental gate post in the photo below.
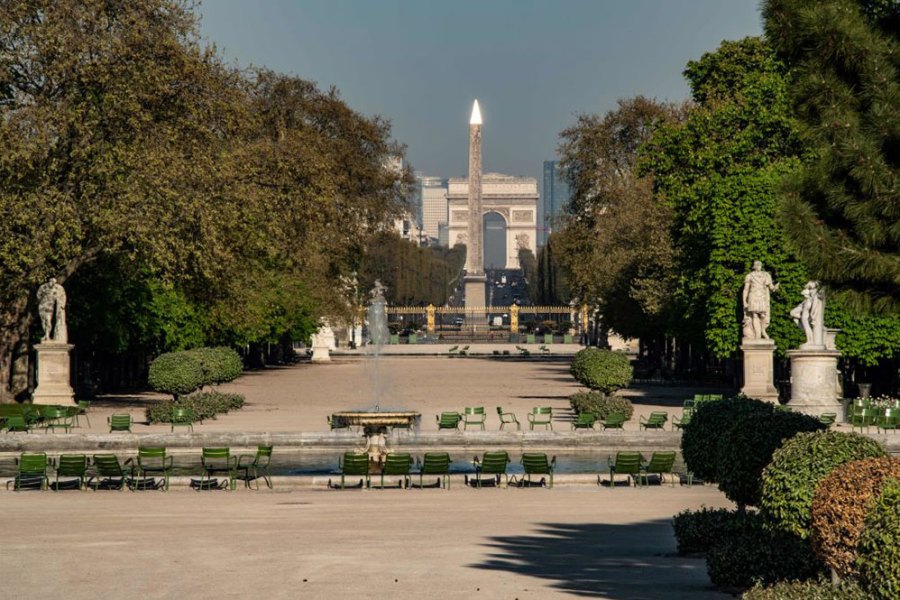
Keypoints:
(429, 312)
(514, 318)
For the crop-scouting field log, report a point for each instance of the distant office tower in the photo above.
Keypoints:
(555, 197)
(431, 206)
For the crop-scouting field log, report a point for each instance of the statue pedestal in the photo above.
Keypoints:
(758, 370)
(53, 368)
(814, 380)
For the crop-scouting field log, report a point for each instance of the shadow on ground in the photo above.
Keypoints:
(598, 560)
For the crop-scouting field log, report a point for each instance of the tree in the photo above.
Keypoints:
(615, 240)
(718, 170)
(840, 210)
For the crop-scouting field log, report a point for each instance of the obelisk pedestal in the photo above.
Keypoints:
(759, 370)
(53, 374)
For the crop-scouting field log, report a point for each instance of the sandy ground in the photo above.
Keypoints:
(300, 397)
(462, 543)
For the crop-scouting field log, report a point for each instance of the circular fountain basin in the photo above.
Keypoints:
(371, 418)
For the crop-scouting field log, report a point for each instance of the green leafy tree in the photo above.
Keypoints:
(841, 209)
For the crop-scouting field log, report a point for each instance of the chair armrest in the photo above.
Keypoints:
(233, 462)
(241, 458)
(553, 462)
(170, 460)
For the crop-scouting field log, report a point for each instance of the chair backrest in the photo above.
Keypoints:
(16, 423)
(535, 462)
(355, 463)
(151, 456)
(182, 414)
(263, 456)
(615, 418)
(84, 405)
(55, 412)
(494, 462)
(120, 422)
(586, 417)
(474, 411)
(449, 419)
(658, 418)
(436, 463)
(688, 403)
(628, 462)
(214, 455)
(661, 462)
(71, 465)
(33, 463)
(107, 465)
(397, 464)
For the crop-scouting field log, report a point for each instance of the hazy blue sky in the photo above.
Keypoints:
(532, 64)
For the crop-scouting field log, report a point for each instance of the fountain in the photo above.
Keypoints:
(375, 421)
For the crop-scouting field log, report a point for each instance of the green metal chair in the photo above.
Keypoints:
(397, 465)
(660, 463)
(541, 415)
(828, 419)
(31, 470)
(507, 418)
(684, 421)
(436, 463)
(536, 463)
(863, 418)
(656, 420)
(354, 464)
(493, 464)
(888, 420)
(784, 408)
(182, 417)
(59, 417)
(17, 423)
(614, 421)
(626, 463)
(448, 420)
(83, 407)
(256, 464)
(217, 460)
(119, 423)
(584, 420)
(474, 415)
(152, 460)
(108, 471)
(73, 467)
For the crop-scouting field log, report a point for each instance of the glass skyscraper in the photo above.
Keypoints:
(554, 198)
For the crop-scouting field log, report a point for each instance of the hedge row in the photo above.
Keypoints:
(183, 372)
(879, 545)
(600, 404)
(206, 405)
(807, 590)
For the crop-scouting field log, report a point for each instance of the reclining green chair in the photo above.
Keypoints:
(685, 419)
(541, 415)
(31, 470)
(397, 465)
(119, 423)
(256, 465)
(354, 464)
(659, 464)
(59, 417)
(507, 418)
(217, 460)
(152, 460)
(436, 463)
(474, 415)
(584, 420)
(493, 464)
(109, 472)
(888, 420)
(17, 423)
(656, 420)
(73, 467)
(626, 463)
(183, 417)
(614, 420)
(83, 407)
(448, 420)
(536, 463)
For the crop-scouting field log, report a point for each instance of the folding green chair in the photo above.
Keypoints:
(541, 415)
(153, 460)
(614, 421)
(626, 463)
(31, 471)
(108, 471)
(354, 464)
(72, 467)
(217, 460)
(436, 463)
(656, 420)
(474, 415)
(448, 420)
(182, 417)
(536, 463)
(660, 463)
(584, 420)
(507, 418)
(119, 423)
(255, 465)
(397, 465)
(493, 464)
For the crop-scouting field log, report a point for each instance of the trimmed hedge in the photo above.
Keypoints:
(697, 531)
(206, 405)
(710, 421)
(176, 373)
(747, 447)
(600, 404)
(790, 479)
(879, 545)
(602, 370)
(839, 509)
(220, 364)
(756, 555)
(807, 590)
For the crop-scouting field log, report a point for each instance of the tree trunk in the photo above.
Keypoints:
(16, 319)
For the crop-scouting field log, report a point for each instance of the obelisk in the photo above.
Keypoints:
(475, 280)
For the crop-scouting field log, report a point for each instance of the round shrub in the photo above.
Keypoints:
(790, 480)
(807, 590)
(176, 373)
(712, 420)
(697, 531)
(879, 545)
(602, 370)
(747, 447)
(756, 555)
(600, 404)
(839, 508)
(220, 364)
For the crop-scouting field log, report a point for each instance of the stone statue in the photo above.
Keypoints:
(377, 292)
(810, 316)
(51, 299)
(757, 285)
(522, 241)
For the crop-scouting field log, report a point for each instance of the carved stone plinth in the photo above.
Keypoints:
(759, 370)
(476, 294)
(53, 374)
(815, 387)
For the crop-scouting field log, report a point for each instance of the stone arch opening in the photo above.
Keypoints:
(495, 250)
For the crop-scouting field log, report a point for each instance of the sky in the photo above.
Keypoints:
(533, 65)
